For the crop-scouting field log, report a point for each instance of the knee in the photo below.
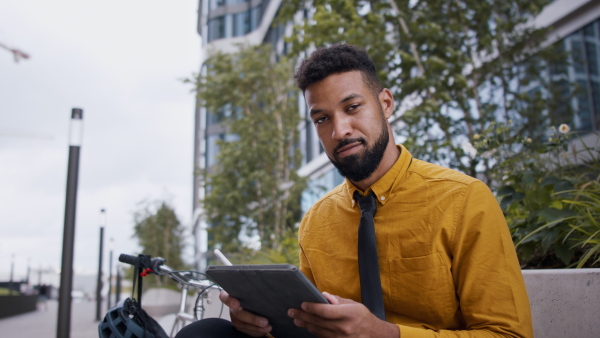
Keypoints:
(208, 328)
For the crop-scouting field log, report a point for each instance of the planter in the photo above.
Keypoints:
(564, 302)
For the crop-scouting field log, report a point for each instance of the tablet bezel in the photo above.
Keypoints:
(269, 290)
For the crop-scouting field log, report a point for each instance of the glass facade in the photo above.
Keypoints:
(583, 47)
(214, 4)
(227, 19)
(231, 18)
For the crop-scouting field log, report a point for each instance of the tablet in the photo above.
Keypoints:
(269, 291)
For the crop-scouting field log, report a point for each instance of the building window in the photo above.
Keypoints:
(215, 4)
(584, 48)
(212, 150)
(255, 17)
(241, 24)
(216, 28)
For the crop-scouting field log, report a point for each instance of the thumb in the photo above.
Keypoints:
(337, 300)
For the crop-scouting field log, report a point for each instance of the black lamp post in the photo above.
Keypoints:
(99, 281)
(63, 327)
(12, 268)
(110, 259)
(118, 285)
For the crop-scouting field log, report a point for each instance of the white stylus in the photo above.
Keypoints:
(222, 257)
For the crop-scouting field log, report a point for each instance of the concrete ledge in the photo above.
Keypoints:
(564, 302)
(164, 302)
(159, 302)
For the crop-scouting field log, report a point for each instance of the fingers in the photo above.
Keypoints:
(243, 320)
(254, 327)
(341, 318)
(317, 325)
(331, 298)
(249, 323)
(327, 310)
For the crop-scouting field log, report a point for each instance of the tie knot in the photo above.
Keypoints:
(366, 203)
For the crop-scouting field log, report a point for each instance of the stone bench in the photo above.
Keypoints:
(564, 302)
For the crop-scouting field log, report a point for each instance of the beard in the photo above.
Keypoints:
(358, 167)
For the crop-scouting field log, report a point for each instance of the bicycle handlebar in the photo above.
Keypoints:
(157, 266)
(143, 261)
(128, 259)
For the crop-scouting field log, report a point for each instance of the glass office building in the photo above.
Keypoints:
(583, 46)
(576, 28)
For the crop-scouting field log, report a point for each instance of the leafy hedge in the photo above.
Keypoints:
(550, 195)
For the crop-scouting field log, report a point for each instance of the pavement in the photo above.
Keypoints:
(42, 322)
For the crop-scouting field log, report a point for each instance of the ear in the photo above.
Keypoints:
(386, 99)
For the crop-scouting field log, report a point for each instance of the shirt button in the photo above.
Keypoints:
(382, 198)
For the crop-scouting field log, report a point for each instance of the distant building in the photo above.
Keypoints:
(576, 23)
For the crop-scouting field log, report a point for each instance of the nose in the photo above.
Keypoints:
(342, 127)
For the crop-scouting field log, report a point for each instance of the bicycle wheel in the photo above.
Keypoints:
(208, 304)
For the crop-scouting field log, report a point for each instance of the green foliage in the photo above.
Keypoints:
(7, 292)
(254, 189)
(288, 252)
(355, 22)
(160, 234)
(454, 67)
(550, 195)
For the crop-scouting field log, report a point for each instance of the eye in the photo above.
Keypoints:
(353, 107)
(320, 119)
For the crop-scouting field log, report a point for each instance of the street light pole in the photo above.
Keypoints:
(12, 268)
(99, 281)
(28, 270)
(118, 285)
(110, 259)
(63, 327)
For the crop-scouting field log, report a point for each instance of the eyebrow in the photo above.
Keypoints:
(345, 99)
(350, 97)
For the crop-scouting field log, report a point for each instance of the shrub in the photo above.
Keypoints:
(550, 194)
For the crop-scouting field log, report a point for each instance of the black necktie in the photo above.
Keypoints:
(368, 264)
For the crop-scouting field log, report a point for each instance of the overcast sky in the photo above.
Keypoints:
(120, 61)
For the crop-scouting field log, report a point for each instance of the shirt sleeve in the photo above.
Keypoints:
(304, 266)
(485, 271)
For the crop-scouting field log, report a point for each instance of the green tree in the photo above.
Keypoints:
(454, 67)
(254, 189)
(159, 233)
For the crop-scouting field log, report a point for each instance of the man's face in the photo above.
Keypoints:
(350, 123)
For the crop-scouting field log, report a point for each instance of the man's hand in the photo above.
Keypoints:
(243, 320)
(341, 318)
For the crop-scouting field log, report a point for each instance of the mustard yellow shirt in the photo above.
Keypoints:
(447, 262)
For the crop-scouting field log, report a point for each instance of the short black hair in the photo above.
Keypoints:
(338, 58)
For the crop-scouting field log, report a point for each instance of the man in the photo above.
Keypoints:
(446, 261)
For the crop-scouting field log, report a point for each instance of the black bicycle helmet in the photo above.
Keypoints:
(129, 320)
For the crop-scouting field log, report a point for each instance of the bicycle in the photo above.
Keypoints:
(145, 265)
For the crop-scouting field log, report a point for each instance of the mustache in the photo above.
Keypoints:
(347, 141)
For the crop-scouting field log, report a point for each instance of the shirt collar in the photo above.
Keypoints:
(383, 187)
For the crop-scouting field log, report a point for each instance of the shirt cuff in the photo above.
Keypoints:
(413, 332)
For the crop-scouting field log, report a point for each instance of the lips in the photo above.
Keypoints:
(348, 148)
